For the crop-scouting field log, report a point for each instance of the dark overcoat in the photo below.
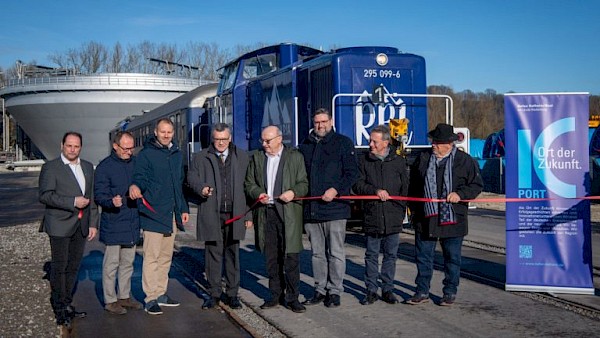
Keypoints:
(204, 171)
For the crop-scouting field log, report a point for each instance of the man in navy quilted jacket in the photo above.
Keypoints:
(119, 224)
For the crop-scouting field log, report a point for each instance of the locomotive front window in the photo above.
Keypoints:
(260, 65)
(228, 76)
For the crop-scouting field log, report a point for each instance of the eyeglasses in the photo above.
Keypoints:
(269, 140)
(221, 139)
(125, 149)
(321, 122)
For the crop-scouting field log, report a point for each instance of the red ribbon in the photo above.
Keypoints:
(231, 220)
(80, 215)
(422, 199)
(148, 205)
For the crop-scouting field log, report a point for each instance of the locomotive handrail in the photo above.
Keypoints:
(296, 119)
(449, 102)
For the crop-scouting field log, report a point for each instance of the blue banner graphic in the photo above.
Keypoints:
(548, 243)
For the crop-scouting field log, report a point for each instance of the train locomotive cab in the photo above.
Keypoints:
(231, 104)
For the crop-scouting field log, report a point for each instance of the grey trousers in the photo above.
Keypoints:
(117, 267)
(328, 255)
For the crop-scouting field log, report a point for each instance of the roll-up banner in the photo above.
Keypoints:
(548, 235)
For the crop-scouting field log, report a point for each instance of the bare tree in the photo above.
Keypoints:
(133, 60)
(116, 59)
(93, 57)
(207, 58)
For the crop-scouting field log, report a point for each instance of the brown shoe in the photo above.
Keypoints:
(130, 303)
(115, 308)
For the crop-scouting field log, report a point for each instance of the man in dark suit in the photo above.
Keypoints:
(217, 175)
(66, 188)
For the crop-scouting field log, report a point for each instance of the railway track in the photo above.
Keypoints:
(547, 298)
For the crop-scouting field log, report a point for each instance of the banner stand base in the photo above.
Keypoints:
(549, 289)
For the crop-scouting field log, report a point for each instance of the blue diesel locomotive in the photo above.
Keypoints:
(283, 84)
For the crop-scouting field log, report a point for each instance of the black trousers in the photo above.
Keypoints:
(66, 253)
(283, 269)
(228, 250)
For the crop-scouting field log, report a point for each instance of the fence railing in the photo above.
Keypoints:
(108, 80)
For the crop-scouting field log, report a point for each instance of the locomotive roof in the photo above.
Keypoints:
(302, 50)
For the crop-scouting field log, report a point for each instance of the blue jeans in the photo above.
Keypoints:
(388, 265)
(328, 255)
(425, 250)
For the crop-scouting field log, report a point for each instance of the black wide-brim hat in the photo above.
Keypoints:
(443, 133)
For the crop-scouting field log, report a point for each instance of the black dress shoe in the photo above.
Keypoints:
(65, 322)
(316, 299)
(210, 303)
(296, 306)
(270, 304)
(389, 297)
(333, 301)
(369, 299)
(234, 303)
(63, 319)
(72, 313)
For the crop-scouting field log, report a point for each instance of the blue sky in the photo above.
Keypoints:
(521, 46)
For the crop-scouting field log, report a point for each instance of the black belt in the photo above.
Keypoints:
(271, 206)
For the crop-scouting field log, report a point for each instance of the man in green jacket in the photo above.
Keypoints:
(276, 175)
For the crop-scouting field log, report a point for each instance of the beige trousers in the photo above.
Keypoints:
(158, 253)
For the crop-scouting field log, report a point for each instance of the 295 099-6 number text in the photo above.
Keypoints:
(381, 73)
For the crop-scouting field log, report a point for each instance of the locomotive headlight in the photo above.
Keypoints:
(381, 59)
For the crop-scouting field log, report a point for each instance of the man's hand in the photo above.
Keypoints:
(117, 201)
(453, 197)
(135, 192)
(207, 191)
(263, 198)
(248, 224)
(383, 195)
(81, 202)
(329, 195)
(92, 234)
(287, 196)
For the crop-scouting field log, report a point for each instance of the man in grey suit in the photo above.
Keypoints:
(66, 189)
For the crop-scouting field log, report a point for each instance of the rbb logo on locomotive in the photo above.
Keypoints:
(368, 115)
(545, 158)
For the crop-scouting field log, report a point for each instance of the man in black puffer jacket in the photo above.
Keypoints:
(119, 224)
(382, 173)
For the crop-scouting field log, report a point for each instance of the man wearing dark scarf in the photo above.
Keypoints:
(446, 176)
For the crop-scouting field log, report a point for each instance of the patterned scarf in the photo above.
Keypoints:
(443, 210)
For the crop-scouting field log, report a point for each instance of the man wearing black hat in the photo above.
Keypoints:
(448, 174)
